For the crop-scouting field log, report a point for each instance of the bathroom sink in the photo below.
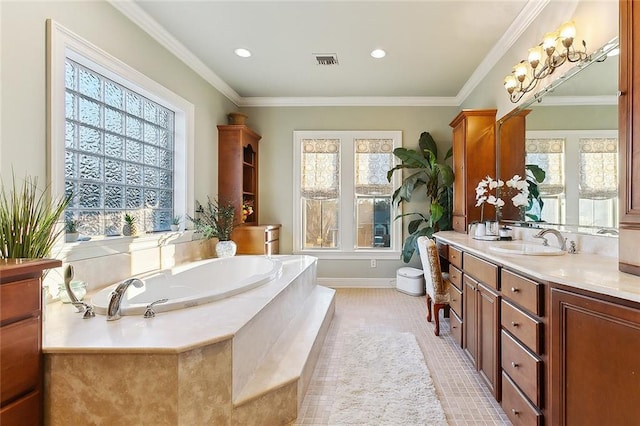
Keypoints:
(527, 249)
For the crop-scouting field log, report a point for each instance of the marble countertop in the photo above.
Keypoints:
(592, 272)
(65, 331)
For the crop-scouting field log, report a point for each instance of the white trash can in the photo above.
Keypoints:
(410, 281)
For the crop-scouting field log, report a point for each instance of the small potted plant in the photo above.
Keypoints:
(175, 223)
(216, 220)
(129, 228)
(71, 230)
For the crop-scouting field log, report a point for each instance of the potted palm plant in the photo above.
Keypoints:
(436, 178)
(28, 220)
(216, 220)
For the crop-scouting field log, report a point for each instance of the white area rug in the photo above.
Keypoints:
(383, 380)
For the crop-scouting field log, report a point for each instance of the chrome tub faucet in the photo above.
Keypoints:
(113, 311)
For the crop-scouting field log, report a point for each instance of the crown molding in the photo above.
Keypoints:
(528, 14)
(139, 17)
(347, 101)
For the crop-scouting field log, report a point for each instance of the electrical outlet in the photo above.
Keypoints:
(373, 263)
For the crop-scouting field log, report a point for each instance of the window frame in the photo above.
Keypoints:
(62, 43)
(347, 200)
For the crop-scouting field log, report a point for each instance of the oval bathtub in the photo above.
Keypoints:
(193, 284)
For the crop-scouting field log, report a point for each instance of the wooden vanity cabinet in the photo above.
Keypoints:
(481, 307)
(474, 158)
(21, 371)
(594, 362)
(523, 348)
(238, 183)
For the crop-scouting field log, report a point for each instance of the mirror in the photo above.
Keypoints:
(571, 133)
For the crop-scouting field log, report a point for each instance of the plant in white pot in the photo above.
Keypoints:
(71, 230)
(175, 223)
(216, 220)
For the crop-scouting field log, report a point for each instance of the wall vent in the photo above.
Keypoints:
(326, 58)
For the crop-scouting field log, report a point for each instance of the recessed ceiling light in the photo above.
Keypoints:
(378, 53)
(243, 53)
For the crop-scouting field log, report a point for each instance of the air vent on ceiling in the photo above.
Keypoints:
(326, 58)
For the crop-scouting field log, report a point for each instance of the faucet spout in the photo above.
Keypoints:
(113, 311)
(562, 241)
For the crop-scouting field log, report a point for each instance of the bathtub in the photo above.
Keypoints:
(193, 284)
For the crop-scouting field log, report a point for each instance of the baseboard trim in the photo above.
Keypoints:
(358, 282)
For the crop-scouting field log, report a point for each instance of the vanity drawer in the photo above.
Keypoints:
(20, 354)
(20, 299)
(519, 410)
(455, 299)
(455, 256)
(522, 366)
(522, 326)
(481, 270)
(455, 276)
(522, 291)
(455, 324)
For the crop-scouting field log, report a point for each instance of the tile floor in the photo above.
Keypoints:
(465, 399)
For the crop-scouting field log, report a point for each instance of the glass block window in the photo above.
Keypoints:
(119, 155)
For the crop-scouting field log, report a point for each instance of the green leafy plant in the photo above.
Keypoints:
(216, 220)
(71, 226)
(535, 176)
(28, 219)
(436, 178)
(175, 220)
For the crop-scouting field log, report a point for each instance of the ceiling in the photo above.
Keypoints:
(436, 50)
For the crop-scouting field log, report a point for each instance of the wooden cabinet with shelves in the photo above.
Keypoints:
(238, 184)
(629, 136)
(474, 158)
(21, 372)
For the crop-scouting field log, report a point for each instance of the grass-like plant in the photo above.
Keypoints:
(28, 220)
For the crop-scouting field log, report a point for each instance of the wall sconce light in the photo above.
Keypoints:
(555, 49)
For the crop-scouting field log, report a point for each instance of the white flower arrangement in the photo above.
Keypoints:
(485, 186)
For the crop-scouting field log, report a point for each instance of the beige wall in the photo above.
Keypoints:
(23, 103)
(276, 125)
(22, 123)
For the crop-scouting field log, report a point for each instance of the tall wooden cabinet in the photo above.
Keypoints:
(511, 154)
(238, 184)
(474, 158)
(21, 370)
(629, 136)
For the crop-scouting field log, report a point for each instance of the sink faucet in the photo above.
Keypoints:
(562, 241)
(113, 311)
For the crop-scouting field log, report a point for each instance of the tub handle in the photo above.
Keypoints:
(149, 313)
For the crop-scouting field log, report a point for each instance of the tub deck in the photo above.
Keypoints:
(225, 362)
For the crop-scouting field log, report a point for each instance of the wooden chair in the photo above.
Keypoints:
(437, 282)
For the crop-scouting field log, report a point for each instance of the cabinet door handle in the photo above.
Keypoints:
(515, 412)
(515, 289)
(515, 324)
(515, 364)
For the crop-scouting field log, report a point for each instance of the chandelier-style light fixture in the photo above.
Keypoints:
(555, 49)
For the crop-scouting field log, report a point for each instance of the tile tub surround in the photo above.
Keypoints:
(588, 271)
(185, 343)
